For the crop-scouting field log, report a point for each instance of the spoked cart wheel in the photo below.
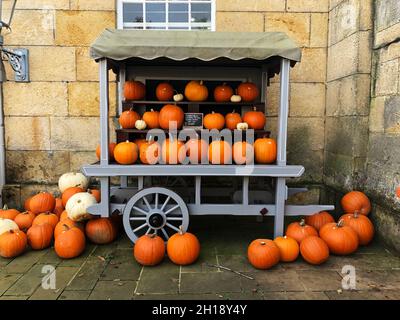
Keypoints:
(155, 210)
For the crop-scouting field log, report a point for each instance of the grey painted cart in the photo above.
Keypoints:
(209, 56)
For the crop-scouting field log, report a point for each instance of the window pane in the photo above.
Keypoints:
(201, 12)
(133, 12)
(178, 12)
(155, 12)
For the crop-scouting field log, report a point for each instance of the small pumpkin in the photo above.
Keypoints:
(69, 193)
(196, 91)
(72, 179)
(219, 152)
(111, 147)
(42, 202)
(70, 243)
(7, 213)
(255, 119)
(361, 225)
(319, 219)
(58, 208)
(139, 142)
(134, 90)
(341, 239)
(248, 91)
(232, 119)
(171, 115)
(96, 193)
(173, 152)
(223, 93)
(300, 230)
(149, 152)
(356, 201)
(40, 236)
(288, 247)
(243, 126)
(178, 97)
(183, 248)
(197, 150)
(70, 223)
(126, 153)
(164, 91)
(7, 225)
(263, 254)
(151, 118)
(243, 152)
(101, 230)
(314, 250)
(46, 217)
(12, 243)
(140, 125)
(236, 98)
(128, 119)
(24, 220)
(265, 150)
(78, 204)
(149, 250)
(214, 121)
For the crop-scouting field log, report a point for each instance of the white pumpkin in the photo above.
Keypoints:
(78, 204)
(72, 179)
(178, 97)
(7, 225)
(140, 124)
(242, 126)
(236, 98)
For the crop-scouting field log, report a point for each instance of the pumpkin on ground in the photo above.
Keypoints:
(12, 243)
(24, 220)
(300, 230)
(196, 91)
(111, 147)
(265, 150)
(7, 225)
(361, 225)
(96, 193)
(219, 152)
(128, 118)
(173, 152)
(40, 236)
(134, 90)
(101, 230)
(214, 121)
(46, 217)
(42, 202)
(69, 193)
(263, 254)
(314, 250)
(126, 153)
(248, 91)
(197, 150)
(59, 207)
(341, 239)
(149, 250)
(288, 247)
(7, 213)
(164, 91)
(171, 116)
(149, 152)
(27, 203)
(183, 248)
(232, 119)
(72, 179)
(152, 119)
(319, 219)
(243, 153)
(70, 243)
(255, 119)
(223, 93)
(78, 204)
(70, 223)
(356, 201)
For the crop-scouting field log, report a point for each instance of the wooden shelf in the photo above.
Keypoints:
(256, 132)
(207, 103)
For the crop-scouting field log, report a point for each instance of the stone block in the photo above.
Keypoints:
(104, 5)
(389, 52)
(43, 4)
(79, 158)
(240, 21)
(387, 225)
(28, 190)
(334, 3)
(307, 100)
(392, 115)
(387, 78)
(376, 115)
(273, 99)
(344, 20)
(387, 14)
(338, 170)
(86, 68)
(306, 133)
(319, 30)
(254, 5)
(307, 5)
(386, 36)
(11, 195)
(312, 67)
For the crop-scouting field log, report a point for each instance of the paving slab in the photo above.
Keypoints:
(7, 280)
(78, 261)
(358, 295)
(27, 283)
(295, 296)
(122, 266)
(378, 279)
(74, 295)
(202, 264)
(215, 282)
(113, 290)
(50, 257)
(315, 280)
(202, 296)
(159, 279)
(14, 297)
(237, 262)
(24, 262)
(4, 261)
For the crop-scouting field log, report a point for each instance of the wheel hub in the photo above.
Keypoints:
(156, 220)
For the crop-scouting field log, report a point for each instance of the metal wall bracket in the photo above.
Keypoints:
(19, 61)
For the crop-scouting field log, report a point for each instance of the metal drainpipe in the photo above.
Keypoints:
(2, 148)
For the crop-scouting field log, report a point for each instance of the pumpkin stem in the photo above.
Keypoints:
(152, 235)
(302, 222)
(262, 243)
(5, 207)
(340, 223)
(181, 230)
(233, 111)
(152, 110)
(127, 141)
(254, 108)
(66, 227)
(356, 214)
(201, 82)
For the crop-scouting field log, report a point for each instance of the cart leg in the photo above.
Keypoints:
(105, 196)
(280, 198)
(197, 195)
(140, 183)
(124, 182)
(245, 191)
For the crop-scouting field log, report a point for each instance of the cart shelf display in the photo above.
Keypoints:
(178, 57)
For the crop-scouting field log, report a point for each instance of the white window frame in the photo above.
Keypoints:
(188, 25)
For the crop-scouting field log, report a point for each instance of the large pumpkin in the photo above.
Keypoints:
(265, 150)
(78, 204)
(219, 152)
(59, 207)
(70, 243)
(361, 225)
(7, 225)
(12, 243)
(288, 247)
(164, 91)
(152, 119)
(139, 142)
(46, 217)
(69, 193)
(128, 118)
(223, 93)
(126, 153)
(40, 236)
(263, 254)
(356, 201)
(183, 248)
(314, 250)
(300, 230)
(319, 219)
(214, 121)
(7, 213)
(149, 250)
(232, 119)
(42, 202)
(173, 152)
(341, 239)
(149, 152)
(24, 220)
(248, 91)
(134, 90)
(72, 179)
(60, 227)
(255, 119)
(27, 203)
(243, 152)
(101, 231)
(197, 150)
(111, 147)
(196, 91)
(171, 115)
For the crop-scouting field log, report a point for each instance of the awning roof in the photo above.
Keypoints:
(257, 47)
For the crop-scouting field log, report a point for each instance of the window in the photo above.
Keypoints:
(166, 14)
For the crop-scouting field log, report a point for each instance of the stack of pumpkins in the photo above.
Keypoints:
(316, 236)
(64, 220)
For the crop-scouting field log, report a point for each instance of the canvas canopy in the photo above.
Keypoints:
(150, 45)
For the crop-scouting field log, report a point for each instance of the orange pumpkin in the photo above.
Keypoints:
(111, 147)
(232, 119)
(196, 91)
(248, 91)
(356, 201)
(128, 119)
(243, 152)
(134, 90)
(263, 254)
(40, 236)
(149, 250)
(139, 142)
(70, 223)
(214, 121)
(288, 247)
(164, 92)
(24, 220)
(64, 215)
(219, 152)
(101, 230)
(42, 202)
(12, 243)
(152, 119)
(46, 217)
(96, 193)
(300, 230)
(341, 239)
(7, 213)
(361, 225)
(126, 153)
(197, 150)
(171, 115)
(183, 248)
(255, 119)
(27, 203)
(319, 219)
(223, 93)
(173, 152)
(59, 208)
(68, 193)
(70, 243)
(149, 152)
(265, 150)
(314, 250)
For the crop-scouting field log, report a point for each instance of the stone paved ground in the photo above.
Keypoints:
(110, 272)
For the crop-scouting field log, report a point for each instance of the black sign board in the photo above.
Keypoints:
(193, 120)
